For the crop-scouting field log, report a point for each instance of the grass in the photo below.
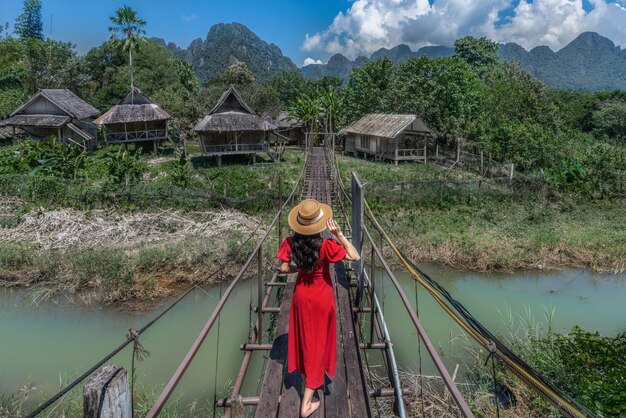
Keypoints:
(448, 219)
(113, 275)
(251, 188)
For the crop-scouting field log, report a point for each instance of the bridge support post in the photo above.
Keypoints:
(280, 209)
(357, 231)
(107, 394)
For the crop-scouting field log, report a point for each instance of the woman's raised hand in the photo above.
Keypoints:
(333, 227)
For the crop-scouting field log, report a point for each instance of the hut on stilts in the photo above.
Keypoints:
(392, 137)
(233, 128)
(55, 113)
(135, 120)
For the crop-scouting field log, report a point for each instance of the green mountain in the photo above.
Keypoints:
(227, 43)
(340, 66)
(589, 62)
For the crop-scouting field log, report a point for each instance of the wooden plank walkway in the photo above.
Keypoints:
(347, 395)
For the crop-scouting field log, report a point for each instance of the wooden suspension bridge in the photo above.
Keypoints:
(349, 394)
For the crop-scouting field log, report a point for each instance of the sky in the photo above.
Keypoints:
(312, 31)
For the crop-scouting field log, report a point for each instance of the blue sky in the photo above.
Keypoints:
(318, 29)
(279, 21)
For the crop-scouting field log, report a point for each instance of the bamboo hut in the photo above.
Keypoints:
(59, 113)
(289, 128)
(9, 133)
(233, 128)
(393, 137)
(136, 119)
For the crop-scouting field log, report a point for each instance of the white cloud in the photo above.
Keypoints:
(189, 18)
(309, 61)
(369, 25)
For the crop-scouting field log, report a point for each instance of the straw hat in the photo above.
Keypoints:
(309, 217)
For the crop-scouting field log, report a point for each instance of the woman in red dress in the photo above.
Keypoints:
(312, 324)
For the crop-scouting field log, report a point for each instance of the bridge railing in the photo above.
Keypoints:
(469, 324)
(366, 284)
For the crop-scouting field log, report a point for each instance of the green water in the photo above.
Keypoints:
(53, 342)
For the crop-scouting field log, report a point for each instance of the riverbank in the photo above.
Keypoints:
(454, 218)
(99, 239)
(112, 257)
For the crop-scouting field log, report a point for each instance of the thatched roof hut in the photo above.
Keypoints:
(232, 114)
(56, 112)
(232, 127)
(135, 119)
(386, 125)
(10, 132)
(396, 137)
(289, 128)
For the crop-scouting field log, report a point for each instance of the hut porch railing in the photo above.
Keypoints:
(407, 154)
(235, 148)
(145, 135)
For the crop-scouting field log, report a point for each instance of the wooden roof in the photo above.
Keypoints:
(233, 122)
(284, 121)
(51, 121)
(66, 100)
(232, 114)
(231, 101)
(135, 107)
(385, 125)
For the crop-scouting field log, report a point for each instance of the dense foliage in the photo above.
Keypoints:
(575, 140)
(586, 365)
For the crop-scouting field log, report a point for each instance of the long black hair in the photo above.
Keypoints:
(305, 251)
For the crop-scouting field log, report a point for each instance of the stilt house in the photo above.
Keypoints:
(136, 119)
(232, 128)
(289, 128)
(391, 137)
(59, 113)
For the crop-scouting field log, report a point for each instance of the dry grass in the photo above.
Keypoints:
(117, 258)
(65, 228)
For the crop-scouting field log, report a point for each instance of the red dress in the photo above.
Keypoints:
(312, 348)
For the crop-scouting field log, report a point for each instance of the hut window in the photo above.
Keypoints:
(365, 141)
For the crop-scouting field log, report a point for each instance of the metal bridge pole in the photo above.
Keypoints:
(372, 293)
(259, 334)
(357, 230)
(280, 209)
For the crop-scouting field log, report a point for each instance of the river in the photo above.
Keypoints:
(53, 342)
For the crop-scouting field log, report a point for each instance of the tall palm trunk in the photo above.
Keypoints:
(132, 84)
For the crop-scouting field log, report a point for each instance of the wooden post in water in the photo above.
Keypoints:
(107, 394)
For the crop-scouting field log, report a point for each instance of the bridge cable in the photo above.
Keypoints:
(483, 336)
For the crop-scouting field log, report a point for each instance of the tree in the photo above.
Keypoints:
(330, 106)
(477, 52)
(445, 92)
(366, 89)
(129, 28)
(610, 122)
(288, 84)
(238, 75)
(29, 24)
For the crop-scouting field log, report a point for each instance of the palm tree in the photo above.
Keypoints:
(127, 29)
